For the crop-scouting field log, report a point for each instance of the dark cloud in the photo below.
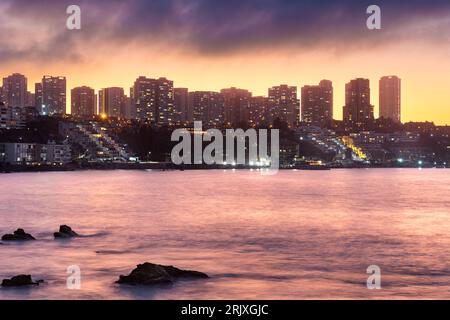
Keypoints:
(214, 27)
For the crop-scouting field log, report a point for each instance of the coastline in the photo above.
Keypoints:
(171, 167)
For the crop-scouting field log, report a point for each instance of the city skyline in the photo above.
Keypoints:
(389, 93)
(205, 46)
(155, 101)
(339, 93)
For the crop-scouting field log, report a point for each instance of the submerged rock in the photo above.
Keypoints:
(153, 274)
(18, 235)
(65, 232)
(20, 281)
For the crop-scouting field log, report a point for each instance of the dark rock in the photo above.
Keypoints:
(153, 274)
(20, 281)
(147, 274)
(178, 273)
(65, 232)
(18, 235)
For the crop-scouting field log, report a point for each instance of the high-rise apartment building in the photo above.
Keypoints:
(181, 105)
(130, 109)
(83, 102)
(50, 96)
(30, 101)
(144, 93)
(207, 107)
(165, 102)
(111, 102)
(38, 97)
(358, 111)
(154, 100)
(14, 90)
(390, 98)
(283, 104)
(237, 103)
(317, 103)
(257, 113)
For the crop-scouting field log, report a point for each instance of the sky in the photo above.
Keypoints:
(251, 44)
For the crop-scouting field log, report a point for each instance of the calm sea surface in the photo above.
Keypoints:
(295, 235)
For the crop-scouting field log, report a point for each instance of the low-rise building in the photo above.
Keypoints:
(58, 153)
(34, 153)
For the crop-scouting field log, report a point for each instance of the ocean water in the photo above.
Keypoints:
(294, 235)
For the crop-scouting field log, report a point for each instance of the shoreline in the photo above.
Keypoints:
(4, 169)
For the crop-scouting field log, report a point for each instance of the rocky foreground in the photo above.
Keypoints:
(154, 274)
(144, 274)
(147, 274)
(65, 232)
(20, 281)
(18, 235)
